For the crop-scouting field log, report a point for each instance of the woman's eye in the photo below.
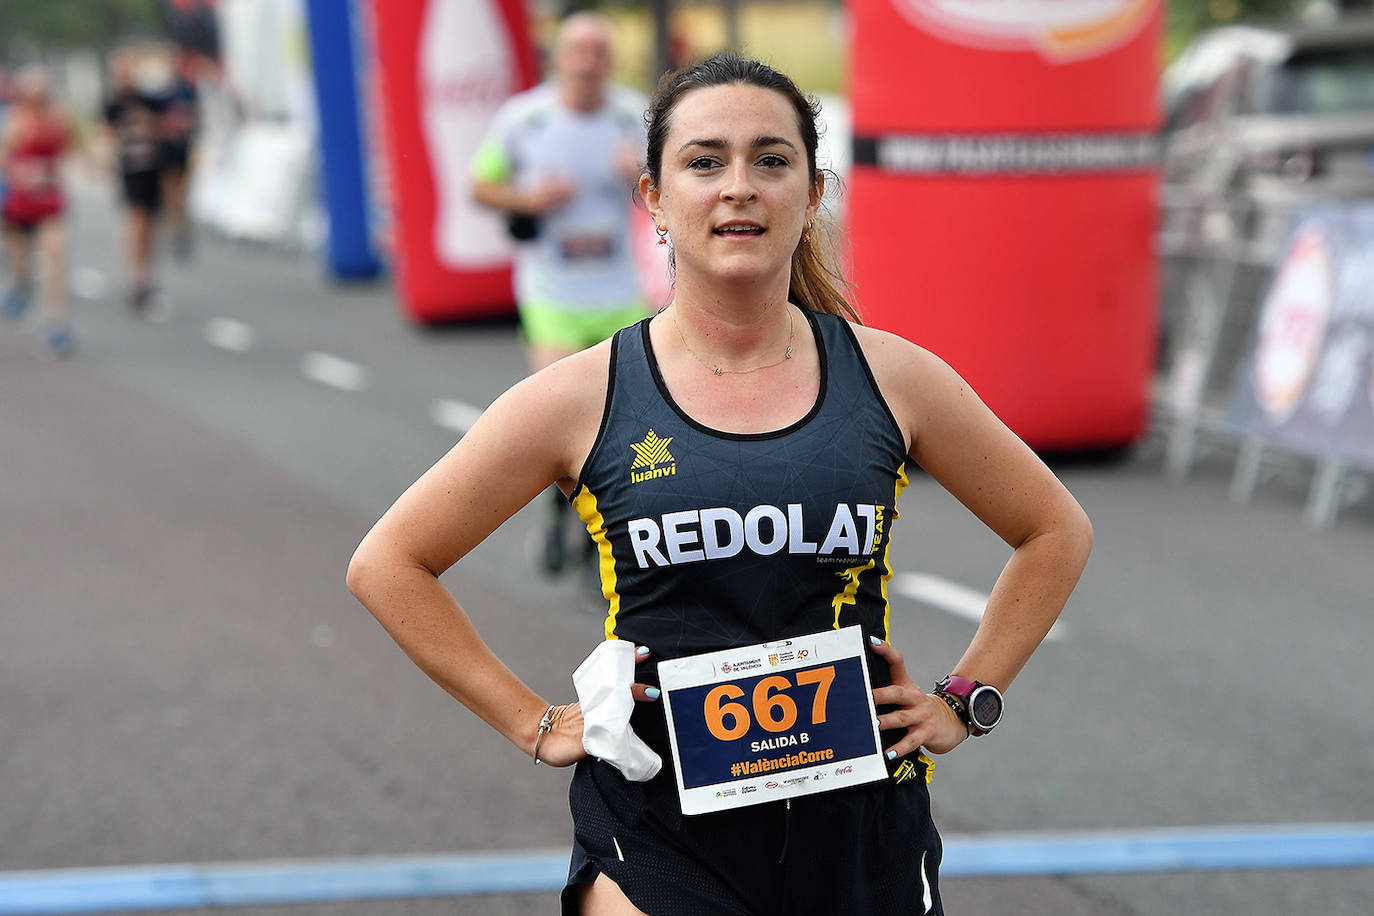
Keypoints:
(701, 163)
(772, 161)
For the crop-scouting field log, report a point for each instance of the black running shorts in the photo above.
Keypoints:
(176, 156)
(143, 190)
(870, 849)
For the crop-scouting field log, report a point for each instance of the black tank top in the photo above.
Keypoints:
(711, 540)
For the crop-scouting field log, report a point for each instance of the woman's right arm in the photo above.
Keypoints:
(536, 434)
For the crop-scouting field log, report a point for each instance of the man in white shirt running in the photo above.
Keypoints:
(562, 161)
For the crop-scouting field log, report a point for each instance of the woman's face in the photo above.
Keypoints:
(735, 189)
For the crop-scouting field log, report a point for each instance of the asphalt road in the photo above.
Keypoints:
(183, 676)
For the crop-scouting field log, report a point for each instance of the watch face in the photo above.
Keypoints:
(985, 707)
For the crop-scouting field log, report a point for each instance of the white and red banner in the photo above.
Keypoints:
(445, 67)
(254, 175)
(1308, 383)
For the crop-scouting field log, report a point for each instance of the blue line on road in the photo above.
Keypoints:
(188, 885)
(1190, 849)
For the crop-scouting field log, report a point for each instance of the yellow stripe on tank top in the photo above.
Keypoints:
(851, 588)
(585, 504)
(902, 482)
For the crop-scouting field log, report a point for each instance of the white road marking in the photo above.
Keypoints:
(335, 371)
(953, 598)
(88, 283)
(231, 335)
(454, 415)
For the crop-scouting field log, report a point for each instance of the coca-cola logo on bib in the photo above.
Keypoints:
(1059, 30)
(1293, 323)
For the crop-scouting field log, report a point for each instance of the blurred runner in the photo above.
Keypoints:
(562, 160)
(133, 117)
(180, 117)
(4, 116)
(32, 144)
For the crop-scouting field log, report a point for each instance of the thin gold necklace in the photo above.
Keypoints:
(717, 370)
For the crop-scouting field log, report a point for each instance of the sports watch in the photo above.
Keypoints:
(979, 705)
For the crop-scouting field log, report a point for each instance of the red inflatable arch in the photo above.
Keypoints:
(1002, 200)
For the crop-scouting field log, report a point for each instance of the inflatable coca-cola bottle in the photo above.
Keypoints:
(466, 72)
(445, 66)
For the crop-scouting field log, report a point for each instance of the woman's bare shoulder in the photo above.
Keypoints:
(894, 358)
(914, 382)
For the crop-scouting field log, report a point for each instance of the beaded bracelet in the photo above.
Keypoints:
(958, 708)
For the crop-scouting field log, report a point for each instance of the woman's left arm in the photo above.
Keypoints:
(954, 436)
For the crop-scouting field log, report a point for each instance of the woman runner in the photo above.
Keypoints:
(737, 459)
(32, 145)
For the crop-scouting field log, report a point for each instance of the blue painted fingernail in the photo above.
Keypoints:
(891, 755)
(651, 692)
(875, 640)
(642, 650)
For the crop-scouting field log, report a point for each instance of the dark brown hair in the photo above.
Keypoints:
(816, 281)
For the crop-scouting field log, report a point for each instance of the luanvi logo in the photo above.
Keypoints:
(652, 458)
(905, 770)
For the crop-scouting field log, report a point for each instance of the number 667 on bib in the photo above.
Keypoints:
(771, 721)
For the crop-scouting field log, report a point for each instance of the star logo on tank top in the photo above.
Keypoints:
(652, 458)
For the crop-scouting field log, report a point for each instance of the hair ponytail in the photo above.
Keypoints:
(817, 282)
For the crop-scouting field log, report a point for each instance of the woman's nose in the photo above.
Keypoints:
(739, 186)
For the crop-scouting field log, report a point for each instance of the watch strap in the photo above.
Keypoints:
(958, 686)
(960, 690)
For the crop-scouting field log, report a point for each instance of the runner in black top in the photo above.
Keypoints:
(178, 123)
(737, 458)
(801, 514)
(712, 540)
(133, 118)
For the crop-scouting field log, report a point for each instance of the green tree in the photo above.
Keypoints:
(29, 25)
(1188, 17)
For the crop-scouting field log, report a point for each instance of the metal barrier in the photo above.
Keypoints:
(1217, 252)
(227, 884)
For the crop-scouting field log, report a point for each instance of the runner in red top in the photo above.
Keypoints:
(34, 140)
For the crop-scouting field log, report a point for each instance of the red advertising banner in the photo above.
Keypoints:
(445, 66)
(1002, 207)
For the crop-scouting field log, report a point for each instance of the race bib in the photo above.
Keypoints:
(775, 720)
(586, 247)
